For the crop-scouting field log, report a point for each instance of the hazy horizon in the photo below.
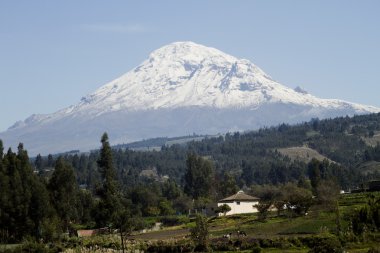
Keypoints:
(55, 53)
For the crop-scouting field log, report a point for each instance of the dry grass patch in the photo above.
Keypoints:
(304, 154)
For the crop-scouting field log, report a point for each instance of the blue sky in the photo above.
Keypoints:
(54, 52)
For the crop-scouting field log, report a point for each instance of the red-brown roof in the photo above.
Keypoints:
(87, 232)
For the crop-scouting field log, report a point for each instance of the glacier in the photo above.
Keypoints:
(182, 88)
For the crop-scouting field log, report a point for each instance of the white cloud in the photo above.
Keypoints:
(114, 28)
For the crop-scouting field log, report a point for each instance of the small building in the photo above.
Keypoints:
(240, 203)
(86, 232)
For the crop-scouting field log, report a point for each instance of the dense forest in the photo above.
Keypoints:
(251, 157)
(115, 186)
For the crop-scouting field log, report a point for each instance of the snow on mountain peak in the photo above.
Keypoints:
(188, 74)
(181, 88)
(184, 74)
(189, 52)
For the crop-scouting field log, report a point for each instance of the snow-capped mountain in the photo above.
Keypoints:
(180, 89)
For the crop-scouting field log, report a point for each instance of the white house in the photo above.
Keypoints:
(240, 203)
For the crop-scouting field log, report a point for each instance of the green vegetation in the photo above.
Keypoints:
(200, 233)
(315, 232)
(224, 209)
(46, 199)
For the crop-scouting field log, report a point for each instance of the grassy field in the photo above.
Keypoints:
(318, 222)
(370, 167)
(304, 154)
(275, 234)
(373, 140)
(5, 247)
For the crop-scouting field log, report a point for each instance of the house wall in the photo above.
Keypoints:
(243, 207)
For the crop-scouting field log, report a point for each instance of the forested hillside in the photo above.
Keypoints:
(43, 195)
(252, 157)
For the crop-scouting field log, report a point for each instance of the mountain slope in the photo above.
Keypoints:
(180, 89)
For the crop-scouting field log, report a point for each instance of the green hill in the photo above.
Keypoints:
(303, 154)
(270, 155)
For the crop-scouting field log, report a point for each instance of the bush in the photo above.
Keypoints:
(281, 243)
(224, 209)
(374, 250)
(200, 234)
(169, 247)
(174, 220)
(256, 250)
(326, 245)
(295, 242)
(266, 243)
(35, 247)
(221, 244)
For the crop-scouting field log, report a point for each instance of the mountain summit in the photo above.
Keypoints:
(188, 74)
(180, 89)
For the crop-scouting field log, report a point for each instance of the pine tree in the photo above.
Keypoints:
(1, 150)
(199, 177)
(4, 197)
(40, 210)
(106, 166)
(16, 204)
(109, 205)
(113, 210)
(50, 161)
(228, 185)
(24, 203)
(64, 191)
(38, 162)
(314, 172)
(26, 173)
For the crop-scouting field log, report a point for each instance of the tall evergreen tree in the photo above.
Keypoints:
(50, 161)
(27, 177)
(64, 191)
(106, 167)
(228, 185)
(24, 203)
(1, 150)
(16, 204)
(38, 162)
(199, 176)
(4, 197)
(113, 210)
(314, 172)
(109, 205)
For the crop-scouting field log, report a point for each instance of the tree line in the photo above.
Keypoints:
(44, 208)
(251, 157)
(45, 196)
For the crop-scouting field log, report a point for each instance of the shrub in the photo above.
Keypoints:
(169, 247)
(223, 209)
(266, 243)
(35, 247)
(174, 220)
(256, 250)
(199, 233)
(295, 242)
(374, 250)
(221, 244)
(281, 243)
(326, 245)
